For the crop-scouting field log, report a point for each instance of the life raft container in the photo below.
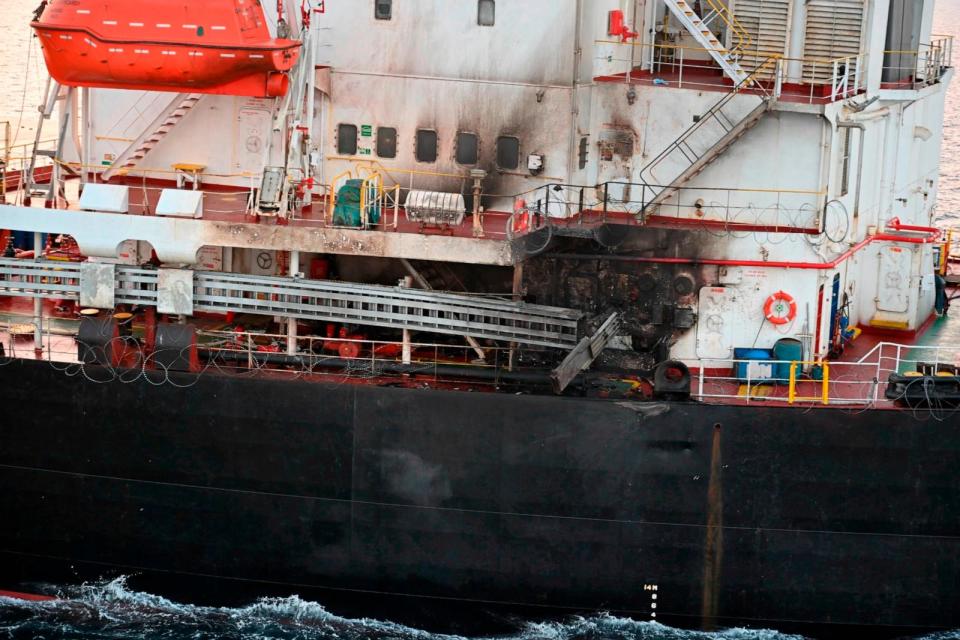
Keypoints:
(215, 46)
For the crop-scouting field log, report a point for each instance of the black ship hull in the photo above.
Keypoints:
(698, 515)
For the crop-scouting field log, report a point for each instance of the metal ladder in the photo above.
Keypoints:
(728, 59)
(172, 115)
(708, 138)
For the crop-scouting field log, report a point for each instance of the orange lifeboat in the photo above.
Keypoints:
(196, 46)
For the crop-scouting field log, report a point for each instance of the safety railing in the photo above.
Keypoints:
(720, 208)
(917, 68)
(787, 382)
(945, 253)
(892, 357)
(338, 350)
(741, 36)
(846, 77)
(824, 375)
(371, 199)
(16, 163)
(835, 383)
(249, 352)
(810, 80)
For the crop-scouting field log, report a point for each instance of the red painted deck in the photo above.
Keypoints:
(704, 78)
(857, 378)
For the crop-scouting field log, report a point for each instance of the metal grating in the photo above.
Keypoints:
(364, 304)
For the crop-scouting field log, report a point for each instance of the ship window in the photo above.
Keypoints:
(845, 162)
(584, 152)
(467, 148)
(426, 145)
(386, 142)
(486, 13)
(508, 152)
(383, 9)
(347, 139)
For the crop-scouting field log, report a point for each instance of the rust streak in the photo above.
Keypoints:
(713, 547)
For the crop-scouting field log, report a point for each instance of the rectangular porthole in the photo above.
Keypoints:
(508, 152)
(386, 142)
(383, 9)
(426, 145)
(347, 139)
(468, 148)
(584, 152)
(486, 13)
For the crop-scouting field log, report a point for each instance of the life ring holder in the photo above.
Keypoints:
(775, 305)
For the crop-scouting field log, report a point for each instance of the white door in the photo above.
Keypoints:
(893, 288)
(253, 128)
(715, 325)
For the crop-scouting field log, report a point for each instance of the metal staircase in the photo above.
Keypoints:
(700, 29)
(172, 115)
(707, 139)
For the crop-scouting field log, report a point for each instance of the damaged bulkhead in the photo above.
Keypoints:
(657, 300)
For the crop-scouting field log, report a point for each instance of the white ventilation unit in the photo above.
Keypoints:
(834, 30)
(109, 198)
(180, 204)
(767, 22)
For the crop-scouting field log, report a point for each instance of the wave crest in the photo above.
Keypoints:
(111, 609)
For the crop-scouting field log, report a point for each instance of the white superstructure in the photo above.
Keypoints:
(783, 146)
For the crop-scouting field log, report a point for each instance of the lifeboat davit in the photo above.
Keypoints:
(197, 46)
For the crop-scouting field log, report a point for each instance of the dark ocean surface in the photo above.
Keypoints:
(111, 611)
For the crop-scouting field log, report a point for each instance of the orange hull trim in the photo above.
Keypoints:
(124, 45)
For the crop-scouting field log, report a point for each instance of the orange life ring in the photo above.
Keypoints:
(780, 308)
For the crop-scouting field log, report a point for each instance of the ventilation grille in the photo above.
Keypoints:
(767, 22)
(834, 30)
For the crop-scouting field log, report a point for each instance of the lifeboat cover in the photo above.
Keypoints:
(209, 46)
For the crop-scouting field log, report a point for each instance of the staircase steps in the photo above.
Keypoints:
(703, 34)
(698, 162)
(178, 109)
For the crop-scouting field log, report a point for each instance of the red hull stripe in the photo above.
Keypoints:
(32, 597)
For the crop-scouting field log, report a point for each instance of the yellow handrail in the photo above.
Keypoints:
(825, 383)
(729, 19)
(332, 193)
(373, 181)
(758, 53)
(385, 171)
(945, 253)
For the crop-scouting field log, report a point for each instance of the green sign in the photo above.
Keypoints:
(366, 130)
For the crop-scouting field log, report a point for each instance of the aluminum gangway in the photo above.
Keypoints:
(481, 317)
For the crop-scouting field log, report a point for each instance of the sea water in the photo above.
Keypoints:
(109, 610)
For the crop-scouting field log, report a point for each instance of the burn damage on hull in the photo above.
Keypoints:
(657, 302)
